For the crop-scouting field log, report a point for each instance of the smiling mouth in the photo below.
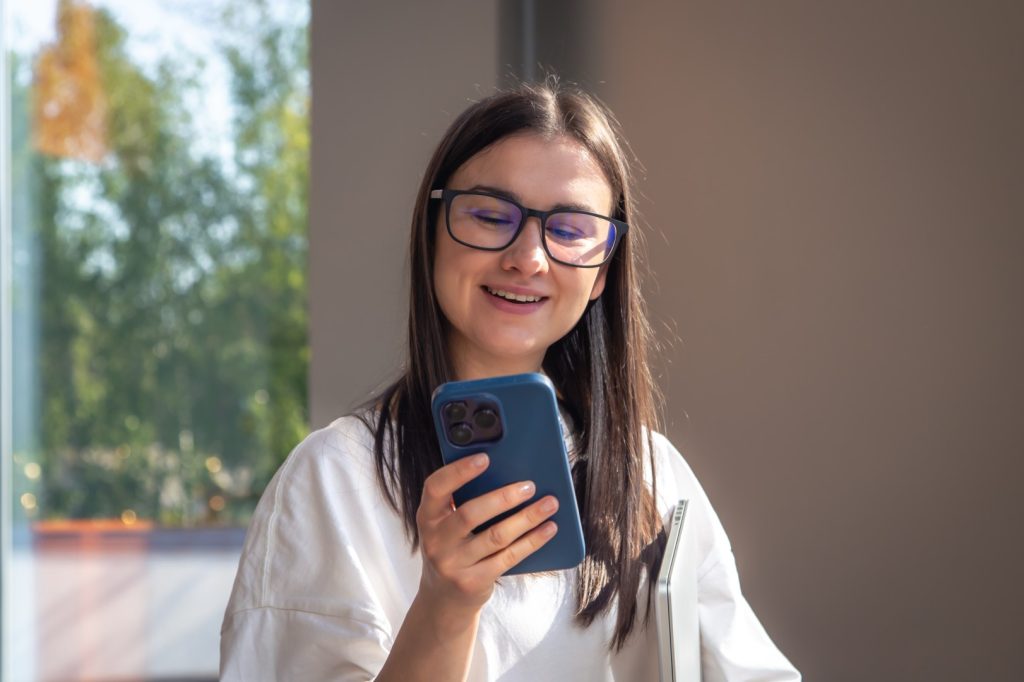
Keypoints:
(514, 298)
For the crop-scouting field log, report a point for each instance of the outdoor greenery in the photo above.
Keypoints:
(170, 347)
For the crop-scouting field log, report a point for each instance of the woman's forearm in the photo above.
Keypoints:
(436, 639)
(431, 645)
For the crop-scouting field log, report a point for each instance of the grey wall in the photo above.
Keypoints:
(833, 199)
(388, 78)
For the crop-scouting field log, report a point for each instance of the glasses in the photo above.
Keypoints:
(482, 220)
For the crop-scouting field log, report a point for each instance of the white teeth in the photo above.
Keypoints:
(514, 297)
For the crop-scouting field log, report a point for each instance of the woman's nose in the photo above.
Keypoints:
(526, 253)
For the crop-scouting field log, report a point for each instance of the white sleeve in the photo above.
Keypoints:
(312, 599)
(271, 644)
(734, 644)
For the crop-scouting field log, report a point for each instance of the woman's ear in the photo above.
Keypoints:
(602, 275)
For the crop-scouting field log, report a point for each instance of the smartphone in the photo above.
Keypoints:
(514, 419)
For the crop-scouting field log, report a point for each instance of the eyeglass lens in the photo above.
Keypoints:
(490, 223)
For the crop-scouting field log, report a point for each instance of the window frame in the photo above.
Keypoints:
(6, 264)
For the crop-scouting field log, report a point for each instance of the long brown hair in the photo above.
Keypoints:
(600, 367)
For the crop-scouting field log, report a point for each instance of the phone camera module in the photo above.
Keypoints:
(460, 434)
(485, 419)
(455, 412)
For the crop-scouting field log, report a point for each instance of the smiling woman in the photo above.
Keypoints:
(491, 334)
(357, 564)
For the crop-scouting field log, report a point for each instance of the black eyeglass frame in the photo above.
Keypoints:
(448, 195)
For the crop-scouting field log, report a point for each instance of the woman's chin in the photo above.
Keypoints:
(525, 355)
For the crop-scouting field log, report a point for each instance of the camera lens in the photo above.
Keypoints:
(455, 412)
(460, 434)
(485, 419)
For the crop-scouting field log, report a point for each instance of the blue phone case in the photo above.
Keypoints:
(529, 448)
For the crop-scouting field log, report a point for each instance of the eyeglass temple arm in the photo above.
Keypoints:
(436, 193)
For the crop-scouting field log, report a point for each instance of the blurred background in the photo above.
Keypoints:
(832, 206)
(156, 166)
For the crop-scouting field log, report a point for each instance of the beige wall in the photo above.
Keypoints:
(835, 196)
(833, 191)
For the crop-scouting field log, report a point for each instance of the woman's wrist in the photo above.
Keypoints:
(447, 618)
(434, 643)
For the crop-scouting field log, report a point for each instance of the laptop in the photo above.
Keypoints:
(675, 609)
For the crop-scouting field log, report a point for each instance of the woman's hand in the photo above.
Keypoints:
(459, 568)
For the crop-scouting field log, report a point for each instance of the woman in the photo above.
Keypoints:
(357, 566)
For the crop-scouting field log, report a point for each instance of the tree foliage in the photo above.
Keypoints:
(172, 313)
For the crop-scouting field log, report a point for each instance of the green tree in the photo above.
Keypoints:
(173, 351)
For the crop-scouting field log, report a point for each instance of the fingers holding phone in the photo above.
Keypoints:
(460, 565)
(506, 542)
(515, 419)
(436, 501)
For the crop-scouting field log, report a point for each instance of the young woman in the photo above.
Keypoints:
(357, 566)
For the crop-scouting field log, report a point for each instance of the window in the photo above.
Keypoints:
(155, 218)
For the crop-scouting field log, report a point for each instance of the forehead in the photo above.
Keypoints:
(541, 172)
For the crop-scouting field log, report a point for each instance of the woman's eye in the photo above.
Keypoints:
(564, 233)
(491, 218)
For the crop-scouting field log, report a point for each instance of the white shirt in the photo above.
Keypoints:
(327, 575)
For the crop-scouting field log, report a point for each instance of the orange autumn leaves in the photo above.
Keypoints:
(69, 107)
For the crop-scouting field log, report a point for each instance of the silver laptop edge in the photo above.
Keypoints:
(676, 605)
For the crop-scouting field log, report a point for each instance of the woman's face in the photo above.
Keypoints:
(489, 335)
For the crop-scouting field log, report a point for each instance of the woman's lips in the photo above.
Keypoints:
(514, 307)
(518, 294)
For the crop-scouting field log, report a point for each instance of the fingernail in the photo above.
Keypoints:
(549, 528)
(526, 489)
(479, 461)
(550, 504)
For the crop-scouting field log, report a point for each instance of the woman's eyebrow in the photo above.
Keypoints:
(503, 193)
(512, 196)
